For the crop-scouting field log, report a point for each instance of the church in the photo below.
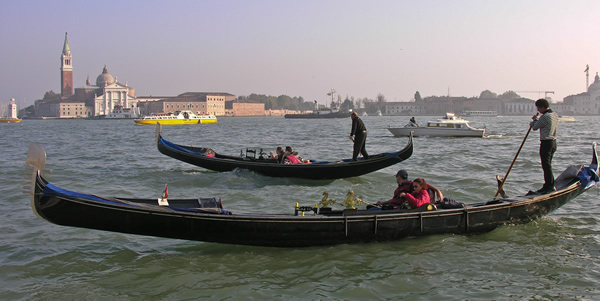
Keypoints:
(90, 101)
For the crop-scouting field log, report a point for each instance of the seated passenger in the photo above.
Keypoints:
(405, 186)
(419, 196)
(291, 156)
(412, 123)
(279, 156)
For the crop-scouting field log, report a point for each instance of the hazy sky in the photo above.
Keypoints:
(303, 48)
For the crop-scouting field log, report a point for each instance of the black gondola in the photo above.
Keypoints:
(317, 170)
(206, 220)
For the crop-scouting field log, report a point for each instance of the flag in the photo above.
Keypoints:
(587, 68)
(165, 194)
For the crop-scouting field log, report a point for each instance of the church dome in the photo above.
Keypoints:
(596, 85)
(104, 79)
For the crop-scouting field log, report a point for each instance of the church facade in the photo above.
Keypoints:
(92, 100)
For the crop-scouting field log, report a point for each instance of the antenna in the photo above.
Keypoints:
(331, 93)
(587, 77)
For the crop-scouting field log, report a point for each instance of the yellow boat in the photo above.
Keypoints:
(7, 120)
(180, 117)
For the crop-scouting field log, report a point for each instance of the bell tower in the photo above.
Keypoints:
(66, 70)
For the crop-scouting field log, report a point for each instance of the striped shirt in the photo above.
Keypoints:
(547, 124)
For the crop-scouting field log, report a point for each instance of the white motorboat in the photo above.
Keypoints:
(566, 119)
(450, 125)
(119, 112)
(480, 113)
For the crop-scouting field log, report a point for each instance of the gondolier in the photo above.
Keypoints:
(358, 134)
(547, 124)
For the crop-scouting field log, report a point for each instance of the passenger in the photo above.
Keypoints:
(419, 196)
(279, 156)
(406, 186)
(291, 156)
(413, 122)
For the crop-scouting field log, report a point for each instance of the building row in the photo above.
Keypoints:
(587, 103)
(107, 94)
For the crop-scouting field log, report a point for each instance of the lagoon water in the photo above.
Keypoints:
(554, 258)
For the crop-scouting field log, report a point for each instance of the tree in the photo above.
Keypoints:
(487, 94)
(508, 95)
(347, 105)
(50, 95)
(359, 103)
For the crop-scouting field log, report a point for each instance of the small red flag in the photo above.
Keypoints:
(166, 192)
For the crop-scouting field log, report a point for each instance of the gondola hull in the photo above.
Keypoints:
(182, 219)
(316, 170)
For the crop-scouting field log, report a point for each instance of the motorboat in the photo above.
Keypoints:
(480, 113)
(179, 117)
(119, 112)
(450, 125)
(10, 120)
(566, 119)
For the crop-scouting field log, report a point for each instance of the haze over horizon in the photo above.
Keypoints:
(358, 48)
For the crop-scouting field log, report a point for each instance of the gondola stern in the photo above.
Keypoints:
(158, 132)
(594, 163)
(34, 165)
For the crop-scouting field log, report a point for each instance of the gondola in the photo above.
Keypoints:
(316, 170)
(206, 220)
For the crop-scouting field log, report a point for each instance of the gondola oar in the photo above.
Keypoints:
(513, 162)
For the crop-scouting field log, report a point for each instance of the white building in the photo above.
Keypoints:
(109, 93)
(12, 109)
(403, 108)
(587, 103)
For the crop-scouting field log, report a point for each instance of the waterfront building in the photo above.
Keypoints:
(403, 108)
(520, 106)
(12, 109)
(197, 102)
(88, 101)
(107, 94)
(587, 103)
(244, 107)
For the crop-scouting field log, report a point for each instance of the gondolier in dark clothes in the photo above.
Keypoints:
(547, 123)
(358, 134)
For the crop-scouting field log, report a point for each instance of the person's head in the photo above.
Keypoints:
(542, 105)
(279, 150)
(353, 115)
(402, 174)
(419, 184)
(288, 149)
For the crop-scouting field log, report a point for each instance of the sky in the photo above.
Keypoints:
(303, 48)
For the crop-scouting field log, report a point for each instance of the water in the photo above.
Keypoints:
(554, 258)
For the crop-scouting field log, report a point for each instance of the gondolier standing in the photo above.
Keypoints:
(547, 124)
(359, 131)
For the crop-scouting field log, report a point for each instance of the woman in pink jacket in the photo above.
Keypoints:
(419, 196)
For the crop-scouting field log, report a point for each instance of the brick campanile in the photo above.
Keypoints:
(66, 70)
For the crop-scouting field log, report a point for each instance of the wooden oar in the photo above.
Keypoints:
(513, 162)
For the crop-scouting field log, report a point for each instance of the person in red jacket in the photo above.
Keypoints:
(419, 196)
